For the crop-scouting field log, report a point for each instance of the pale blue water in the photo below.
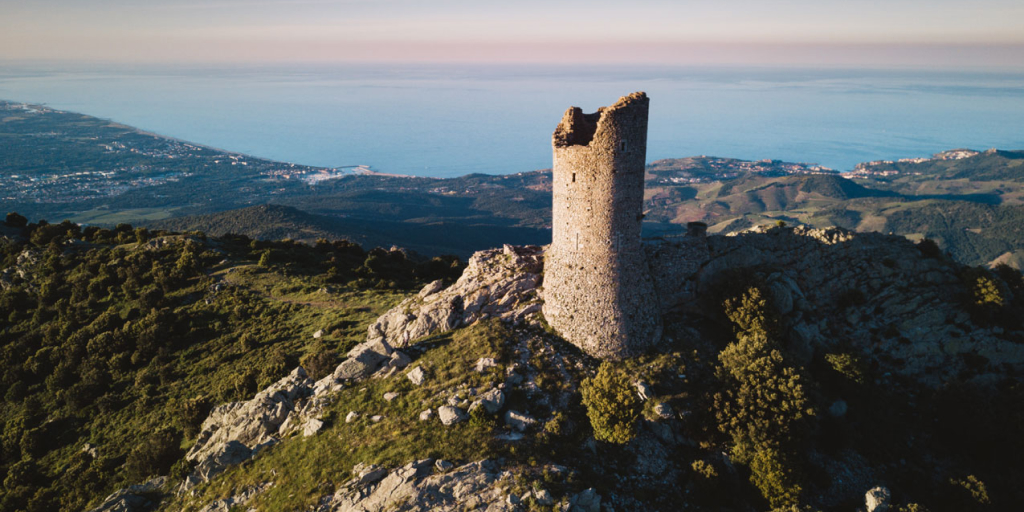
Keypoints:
(454, 120)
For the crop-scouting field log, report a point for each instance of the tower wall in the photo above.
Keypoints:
(598, 292)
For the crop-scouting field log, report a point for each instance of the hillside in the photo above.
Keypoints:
(957, 164)
(275, 222)
(801, 368)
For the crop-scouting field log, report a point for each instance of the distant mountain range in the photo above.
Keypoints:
(58, 165)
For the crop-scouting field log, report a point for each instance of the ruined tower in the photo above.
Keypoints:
(598, 292)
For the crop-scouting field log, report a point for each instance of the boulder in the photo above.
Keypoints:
(543, 497)
(312, 427)
(663, 410)
(351, 416)
(432, 288)
(518, 420)
(399, 360)
(363, 360)
(485, 363)
(416, 375)
(450, 415)
(492, 400)
(586, 501)
(368, 473)
(644, 390)
(228, 454)
(389, 396)
(877, 499)
(426, 415)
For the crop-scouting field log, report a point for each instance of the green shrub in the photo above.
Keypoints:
(153, 456)
(704, 469)
(986, 292)
(929, 248)
(763, 407)
(764, 400)
(974, 487)
(774, 478)
(847, 365)
(15, 220)
(752, 312)
(320, 362)
(190, 414)
(612, 406)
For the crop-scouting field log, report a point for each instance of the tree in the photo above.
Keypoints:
(16, 220)
(612, 406)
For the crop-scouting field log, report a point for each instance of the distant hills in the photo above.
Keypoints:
(58, 165)
(276, 222)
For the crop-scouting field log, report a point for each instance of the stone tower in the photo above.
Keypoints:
(598, 292)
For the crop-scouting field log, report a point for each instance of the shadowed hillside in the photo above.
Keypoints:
(275, 222)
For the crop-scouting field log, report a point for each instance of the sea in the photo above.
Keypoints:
(451, 120)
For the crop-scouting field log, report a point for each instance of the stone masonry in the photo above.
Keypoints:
(598, 291)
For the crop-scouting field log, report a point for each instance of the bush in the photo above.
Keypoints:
(190, 414)
(612, 406)
(320, 362)
(847, 365)
(774, 478)
(986, 292)
(752, 312)
(154, 456)
(929, 248)
(764, 401)
(704, 469)
(975, 488)
(763, 407)
(16, 220)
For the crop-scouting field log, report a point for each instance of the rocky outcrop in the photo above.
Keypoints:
(498, 283)
(233, 432)
(415, 487)
(228, 504)
(877, 292)
(133, 499)
(425, 485)
(877, 499)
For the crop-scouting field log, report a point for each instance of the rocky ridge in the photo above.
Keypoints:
(906, 307)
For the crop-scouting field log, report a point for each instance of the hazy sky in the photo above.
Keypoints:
(847, 32)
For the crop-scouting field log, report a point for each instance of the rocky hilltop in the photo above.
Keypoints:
(883, 342)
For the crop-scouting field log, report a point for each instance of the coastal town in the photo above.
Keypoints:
(904, 166)
(706, 169)
(89, 158)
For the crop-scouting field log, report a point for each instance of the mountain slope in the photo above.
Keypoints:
(275, 222)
